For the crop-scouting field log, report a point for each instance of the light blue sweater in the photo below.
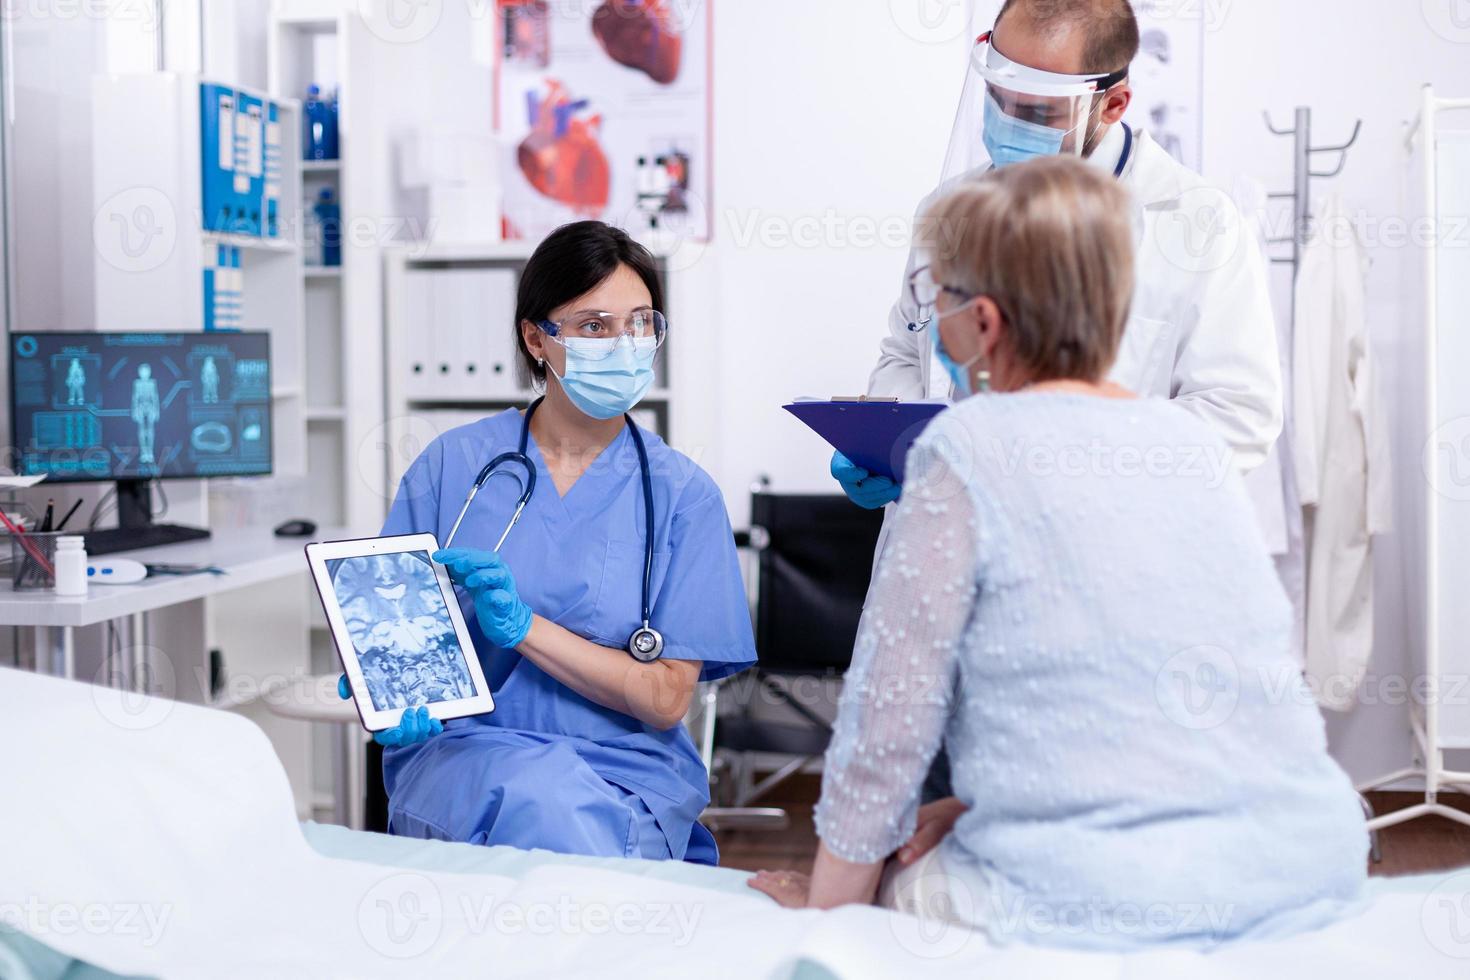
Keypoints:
(1075, 597)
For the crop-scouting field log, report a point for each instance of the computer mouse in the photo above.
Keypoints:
(296, 528)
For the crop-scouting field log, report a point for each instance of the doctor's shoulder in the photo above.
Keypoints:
(1162, 184)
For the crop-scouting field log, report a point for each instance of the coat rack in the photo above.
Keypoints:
(1304, 172)
(1301, 194)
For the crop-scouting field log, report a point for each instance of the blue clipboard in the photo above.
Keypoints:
(875, 435)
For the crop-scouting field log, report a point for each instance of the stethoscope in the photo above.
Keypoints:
(917, 325)
(646, 644)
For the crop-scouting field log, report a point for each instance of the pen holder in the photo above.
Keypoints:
(26, 572)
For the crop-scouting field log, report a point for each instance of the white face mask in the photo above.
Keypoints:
(605, 387)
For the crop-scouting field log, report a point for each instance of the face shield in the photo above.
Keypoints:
(1010, 112)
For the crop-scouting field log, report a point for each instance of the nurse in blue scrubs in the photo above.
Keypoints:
(585, 752)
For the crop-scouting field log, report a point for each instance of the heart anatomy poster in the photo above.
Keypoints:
(603, 111)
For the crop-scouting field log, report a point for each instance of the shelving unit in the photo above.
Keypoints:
(148, 274)
(327, 44)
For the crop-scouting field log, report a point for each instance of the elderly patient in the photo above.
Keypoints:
(1076, 602)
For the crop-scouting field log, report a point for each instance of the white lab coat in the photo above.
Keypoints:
(1201, 331)
(1341, 456)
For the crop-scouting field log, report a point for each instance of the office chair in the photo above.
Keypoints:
(813, 561)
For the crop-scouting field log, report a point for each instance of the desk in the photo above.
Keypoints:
(248, 557)
(272, 651)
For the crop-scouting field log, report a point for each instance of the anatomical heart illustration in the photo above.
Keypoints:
(561, 156)
(641, 34)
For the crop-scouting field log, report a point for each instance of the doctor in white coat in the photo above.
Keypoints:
(1052, 77)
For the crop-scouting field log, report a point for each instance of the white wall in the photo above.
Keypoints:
(53, 52)
(831, 123)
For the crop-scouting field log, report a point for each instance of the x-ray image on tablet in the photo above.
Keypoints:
(399, 624)
(396, 622)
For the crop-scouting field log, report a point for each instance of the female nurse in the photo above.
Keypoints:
(585, 752)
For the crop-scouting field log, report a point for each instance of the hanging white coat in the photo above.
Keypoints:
(1341, 455)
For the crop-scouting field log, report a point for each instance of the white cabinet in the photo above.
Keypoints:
(465, 349)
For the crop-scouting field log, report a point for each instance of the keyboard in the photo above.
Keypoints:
(113, 540)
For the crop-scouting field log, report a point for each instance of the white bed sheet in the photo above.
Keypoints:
(153, 838)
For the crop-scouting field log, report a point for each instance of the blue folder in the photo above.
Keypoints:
(217, 155)
(875, 435)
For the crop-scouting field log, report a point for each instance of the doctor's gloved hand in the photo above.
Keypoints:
(503, 617)
(862, 488)
(415, 726)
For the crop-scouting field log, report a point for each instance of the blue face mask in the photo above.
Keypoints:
(1010, 140)
(606, 387)
(959, 374)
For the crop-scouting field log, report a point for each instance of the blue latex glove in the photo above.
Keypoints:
(503, 617)
(415, 726)
(862, 488)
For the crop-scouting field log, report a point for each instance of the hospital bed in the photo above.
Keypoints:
(149, 838)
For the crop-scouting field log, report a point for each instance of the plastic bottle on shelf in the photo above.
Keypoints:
(311, 237)
(318, 142)
(334, 148)
(329, 220)
(71, 565)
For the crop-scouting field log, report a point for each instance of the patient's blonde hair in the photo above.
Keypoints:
(1051, 243)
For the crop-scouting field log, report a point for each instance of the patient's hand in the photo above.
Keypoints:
(936, 820)
(789, 888)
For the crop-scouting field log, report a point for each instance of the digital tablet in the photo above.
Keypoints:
(398, 629)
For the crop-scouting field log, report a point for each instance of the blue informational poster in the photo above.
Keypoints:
(273, 171)
(250, 163)
(111, 406)
(217, 156)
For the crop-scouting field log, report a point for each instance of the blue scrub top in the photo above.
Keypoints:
(548, 768)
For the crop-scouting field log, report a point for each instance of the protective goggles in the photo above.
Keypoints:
(643, 328)
(924, 292)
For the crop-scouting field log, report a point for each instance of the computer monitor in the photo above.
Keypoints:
(137, 407)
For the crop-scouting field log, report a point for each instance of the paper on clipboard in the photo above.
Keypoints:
(874, 434)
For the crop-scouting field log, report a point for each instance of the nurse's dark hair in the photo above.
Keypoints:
(1110, 26)
(572, 261)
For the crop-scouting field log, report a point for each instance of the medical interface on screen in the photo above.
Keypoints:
(400, 628)
(118, 406)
